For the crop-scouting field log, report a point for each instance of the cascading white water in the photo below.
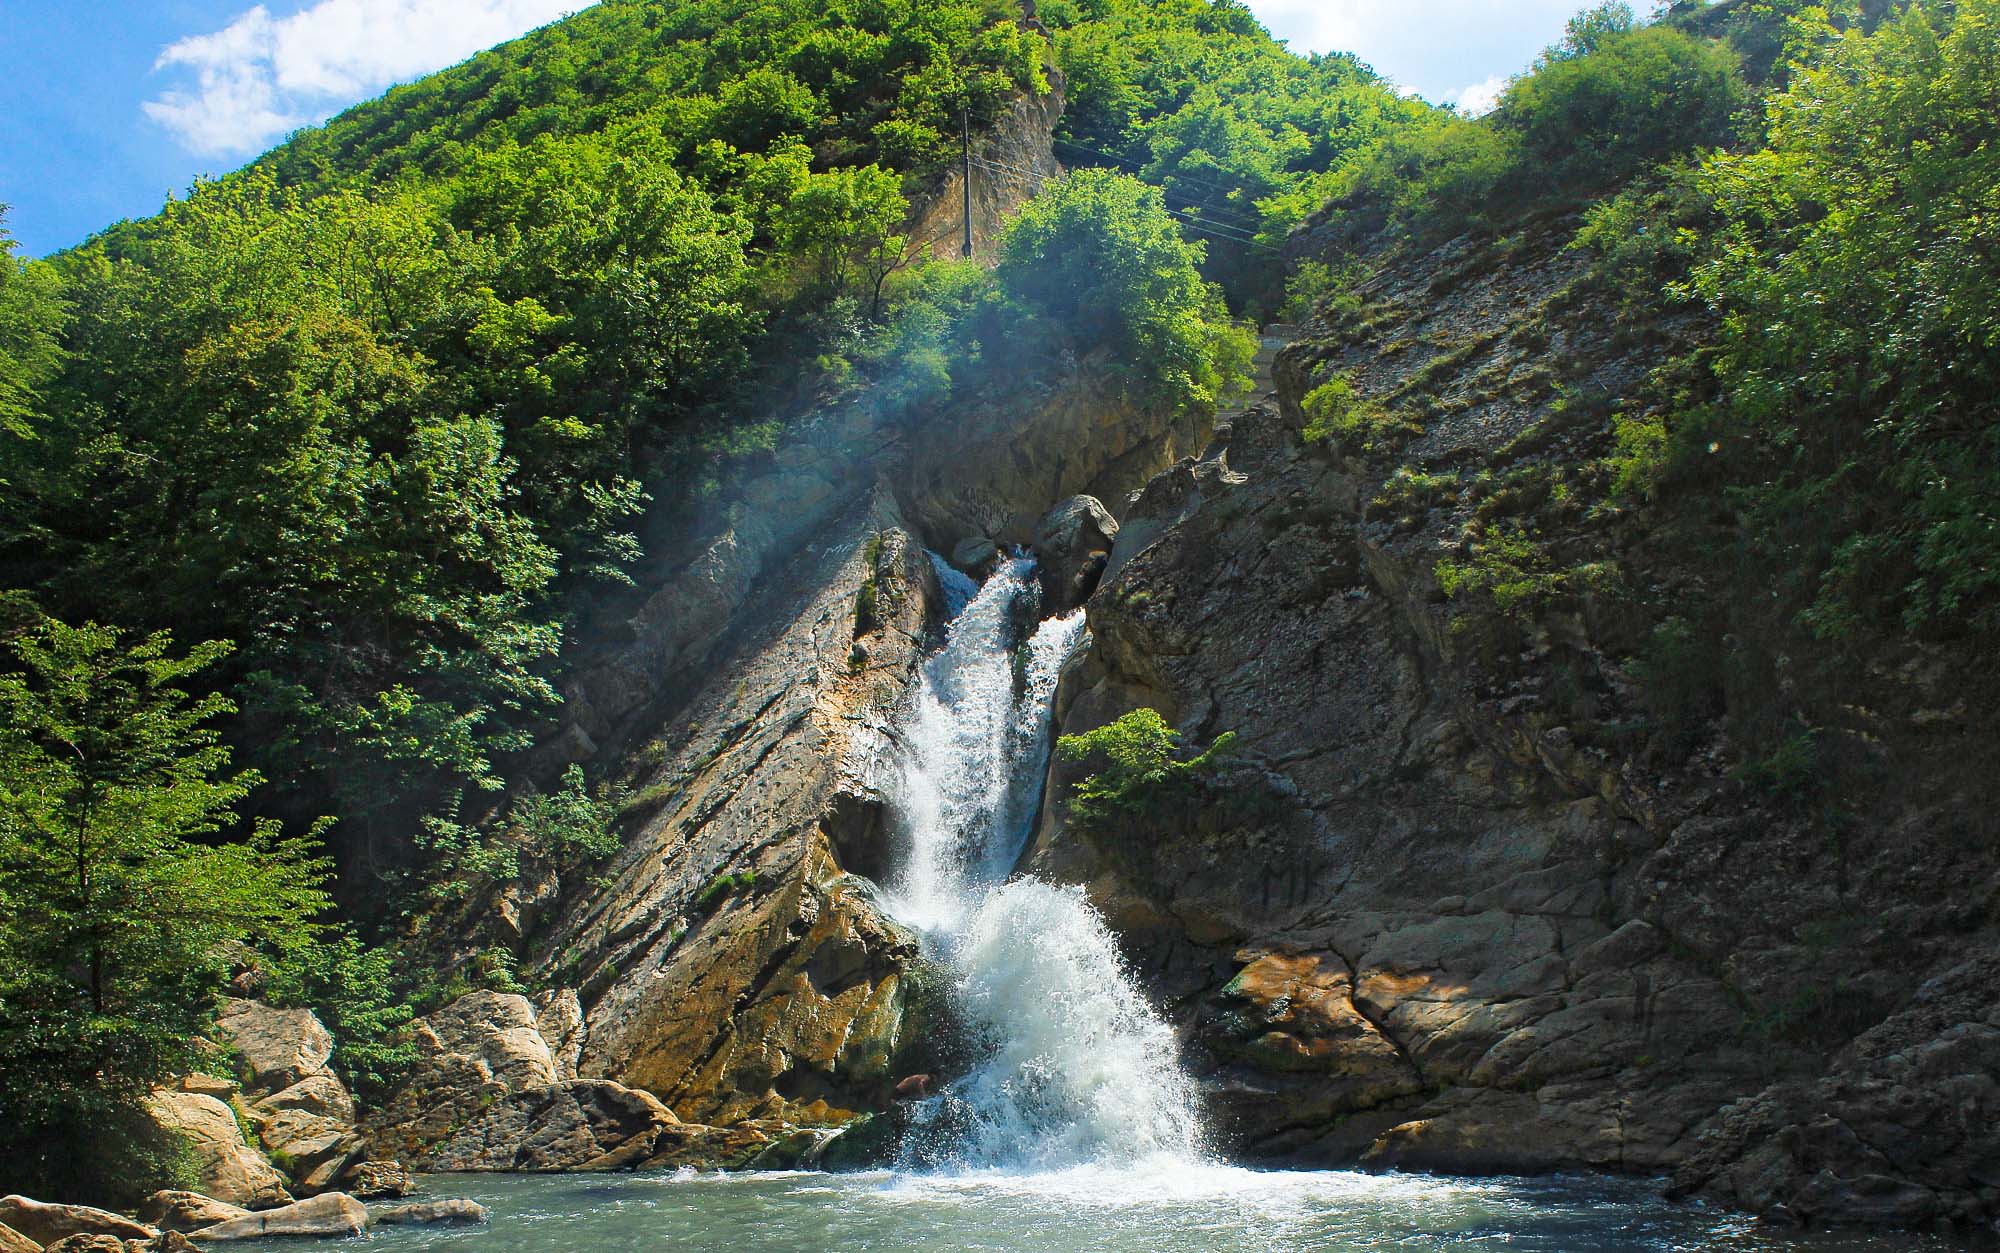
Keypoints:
(1072, 1066)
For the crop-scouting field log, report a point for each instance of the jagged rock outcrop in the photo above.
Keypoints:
(199, 1109)
(377, 1180)
(1429, 917)
(1073, 544)
(1020, 140)
(303, 1113)
(494, 1088)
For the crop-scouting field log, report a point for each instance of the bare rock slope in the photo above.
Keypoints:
(1434, 915)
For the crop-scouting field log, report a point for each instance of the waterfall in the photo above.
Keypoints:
(1071, 1064)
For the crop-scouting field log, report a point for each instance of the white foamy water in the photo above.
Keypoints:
(1073, 1065)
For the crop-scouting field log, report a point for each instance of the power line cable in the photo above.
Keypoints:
(1033, 183)
(1210, 184)
(1228, 214)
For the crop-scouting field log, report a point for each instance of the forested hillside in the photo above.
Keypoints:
(317, 487)
(335, 457)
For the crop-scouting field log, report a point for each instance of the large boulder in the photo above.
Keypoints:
(46, 1223)
(976, 555)
(186, 1211)
(1073, 546)
(303, 1113)
(450, 1210)
(310, 1127)
(228, 1168)
(375, 1180)
(279, 1046)
(328, 1214)
(471, 1055)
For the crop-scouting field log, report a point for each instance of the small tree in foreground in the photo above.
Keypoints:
(122, 905)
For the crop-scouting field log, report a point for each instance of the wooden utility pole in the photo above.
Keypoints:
(965, 168)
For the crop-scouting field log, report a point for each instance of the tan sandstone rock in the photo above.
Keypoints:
(374, 1180)
(280, 1046)
(186, 1211)
(12, 1241)
(450, 1210)
(45, 1222)
(584, 1124)
(229, 1169)
(328, 1214)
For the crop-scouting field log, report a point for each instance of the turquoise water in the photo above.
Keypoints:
(1165, 1208)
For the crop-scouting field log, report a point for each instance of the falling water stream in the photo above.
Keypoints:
(1073, 1127)
(1072, 1066)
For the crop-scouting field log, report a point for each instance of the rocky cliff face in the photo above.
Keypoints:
(1435, 916)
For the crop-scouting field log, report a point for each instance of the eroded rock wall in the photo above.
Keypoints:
(1430, 917)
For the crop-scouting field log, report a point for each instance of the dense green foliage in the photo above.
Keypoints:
(120, 913)
(1145, 772)
(1246, 138)
(1612, 99)
(1856, 269)
(1792, 207)
(379, 409)
(1098, 261)
(1844, 413)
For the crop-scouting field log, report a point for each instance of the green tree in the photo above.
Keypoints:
(121, 907)
(32, 314)
(1098, 259)
(1855, 276)
(1145, 770)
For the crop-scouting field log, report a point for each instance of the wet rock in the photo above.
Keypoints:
(976, 555)
(328, 1214)
(12, 1241)
(585, 1124)
(45, 1223)
(791, 1149)
(375, 1180)
(186, 1211)
(734, 1147)
(866, 1143)
(451, 1210)
(1073, 545)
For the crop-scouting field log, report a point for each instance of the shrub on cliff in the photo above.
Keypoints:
(1144, 770)
(1610, 101)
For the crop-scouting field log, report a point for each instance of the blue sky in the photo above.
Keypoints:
(106, 106)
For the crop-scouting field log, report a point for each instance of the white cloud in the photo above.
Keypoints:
(1436, 46)
(1480, 98)
(261, 76)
